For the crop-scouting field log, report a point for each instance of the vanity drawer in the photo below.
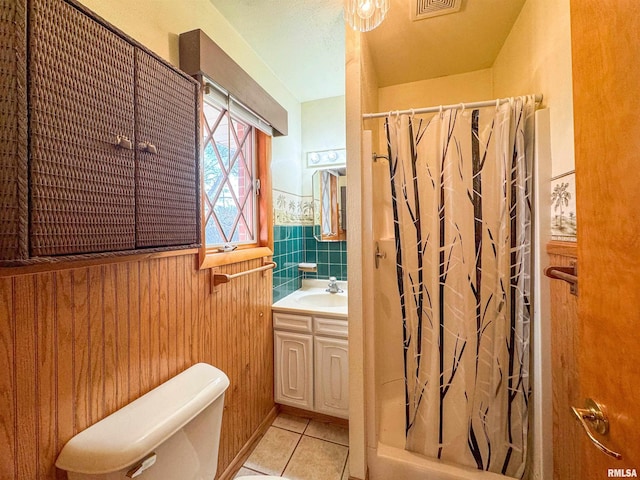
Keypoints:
(295, 323)
(335, 327)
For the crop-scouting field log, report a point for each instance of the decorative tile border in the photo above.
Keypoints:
(291, 209)
(563, 207)
(294, 243)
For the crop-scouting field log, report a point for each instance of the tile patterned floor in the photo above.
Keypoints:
(300, 449)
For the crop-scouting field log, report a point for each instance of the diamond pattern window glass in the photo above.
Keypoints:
(229, 171)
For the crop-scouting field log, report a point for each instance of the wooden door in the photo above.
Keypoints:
(606, 76)
(167, 208)
(81, 100)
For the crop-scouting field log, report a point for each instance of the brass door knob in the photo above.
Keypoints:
(594, 416)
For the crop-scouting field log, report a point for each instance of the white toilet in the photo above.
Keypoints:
(171, 433)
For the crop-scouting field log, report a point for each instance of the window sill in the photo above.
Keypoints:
(216, 259)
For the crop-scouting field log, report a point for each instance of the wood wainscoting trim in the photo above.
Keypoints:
(84, 261)
(564, 249)
(564, 373)
(243, 454)
(76, 345)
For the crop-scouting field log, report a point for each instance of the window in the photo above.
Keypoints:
(235, 199)
(229, 186)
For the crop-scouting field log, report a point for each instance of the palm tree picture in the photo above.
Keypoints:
(560, 199)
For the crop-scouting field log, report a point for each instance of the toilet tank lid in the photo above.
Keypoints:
(127, 435)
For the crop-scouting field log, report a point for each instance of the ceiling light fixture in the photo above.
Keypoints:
(365, 15)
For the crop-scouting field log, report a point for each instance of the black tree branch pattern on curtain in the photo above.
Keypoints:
(460, 186)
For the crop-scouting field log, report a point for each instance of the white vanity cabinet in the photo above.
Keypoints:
(294, 369)
(312, 362)
(331, 376)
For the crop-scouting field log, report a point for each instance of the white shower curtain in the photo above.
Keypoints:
(461, 188)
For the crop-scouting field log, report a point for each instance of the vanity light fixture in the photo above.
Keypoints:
(365, 15)
(327, 158)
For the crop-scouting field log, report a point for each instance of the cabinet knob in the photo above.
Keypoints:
(147, 147)
(124, 142)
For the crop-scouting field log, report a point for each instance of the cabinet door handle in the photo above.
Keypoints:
(147, 147)
(124, 142)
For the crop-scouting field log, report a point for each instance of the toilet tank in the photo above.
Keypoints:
(170, 433)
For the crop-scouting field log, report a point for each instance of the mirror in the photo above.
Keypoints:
(329, 205)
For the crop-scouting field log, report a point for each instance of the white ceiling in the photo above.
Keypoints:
(302, 41)
(406, 51)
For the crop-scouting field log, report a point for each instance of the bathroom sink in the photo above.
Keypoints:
(323, 300)
(313, 298)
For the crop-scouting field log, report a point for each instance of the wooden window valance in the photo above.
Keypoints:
(199, 55)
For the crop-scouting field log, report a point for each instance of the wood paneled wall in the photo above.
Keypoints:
(564, 328)
(77, 344)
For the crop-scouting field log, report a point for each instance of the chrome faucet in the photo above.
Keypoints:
(333, 286)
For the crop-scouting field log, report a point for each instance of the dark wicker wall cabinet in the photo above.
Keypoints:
(111, 160)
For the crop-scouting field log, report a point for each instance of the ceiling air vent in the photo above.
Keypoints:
(433, 8)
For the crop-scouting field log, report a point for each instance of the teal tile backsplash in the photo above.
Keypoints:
(288, 246)
(331, 257)
(294, 244)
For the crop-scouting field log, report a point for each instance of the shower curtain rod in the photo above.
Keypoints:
(486, 103)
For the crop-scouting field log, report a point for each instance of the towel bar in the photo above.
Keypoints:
(568, 274)
(218, 278)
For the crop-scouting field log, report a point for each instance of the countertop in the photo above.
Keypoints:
(291, 302)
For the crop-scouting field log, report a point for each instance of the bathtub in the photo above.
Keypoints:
(388, 460)
(391, 463)
(386, 457)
